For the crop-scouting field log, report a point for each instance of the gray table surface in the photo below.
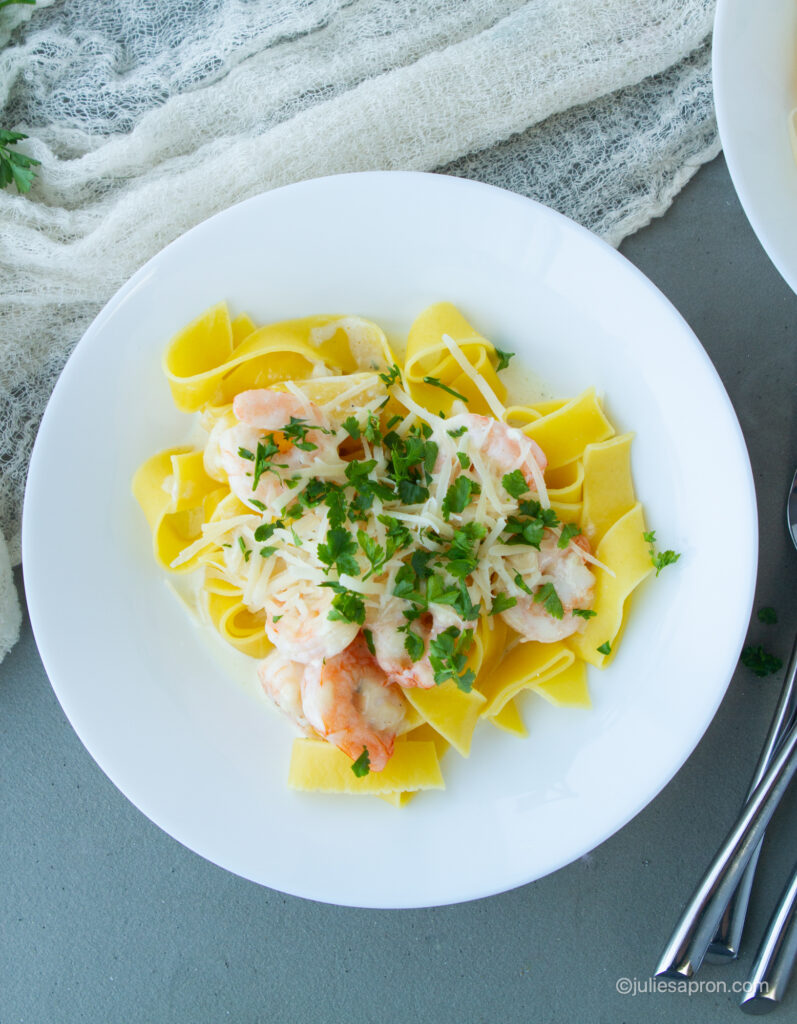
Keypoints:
(104, 918)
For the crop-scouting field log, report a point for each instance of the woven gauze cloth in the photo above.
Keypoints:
(150, 115)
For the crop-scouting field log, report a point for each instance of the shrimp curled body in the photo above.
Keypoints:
(575, 587)
(263, 414)
(349, 701)
(505, 448)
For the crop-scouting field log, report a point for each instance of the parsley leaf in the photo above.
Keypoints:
(464, 460)
(584, 613)
(546, 595)
(338, 549)
(362, 766)
(503, 359)
(347, 606)
(515, 483)
(457, 433)
(444, 387)
(374, 552)
(569, 530)
(662, 560)
(605, 648)
(266, 530)
(352, 427)
(14, 166)
(392, 375)
(458, 495)
(501, 602)
(448, 655)
(520, 582)
(246, 551)
(760, 661)
(414, 645)
(369, 640)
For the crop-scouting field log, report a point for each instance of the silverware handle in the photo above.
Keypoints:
(725, 944)
(773, 965)
(685, 951)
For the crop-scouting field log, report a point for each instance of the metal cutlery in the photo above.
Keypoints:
(714, 917)
(773, 965)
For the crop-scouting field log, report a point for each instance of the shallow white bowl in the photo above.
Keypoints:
(203, 756)
(755, 90)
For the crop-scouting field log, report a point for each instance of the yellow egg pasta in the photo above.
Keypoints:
(400, 552)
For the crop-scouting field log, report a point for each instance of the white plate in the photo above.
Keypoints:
(755, 90)
(201, 755)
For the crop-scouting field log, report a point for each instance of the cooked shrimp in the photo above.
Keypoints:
(391, 653)
(348, 700)
(573, 583)
(505, 447)
(281, 680)
(300, 630)
(262, 414)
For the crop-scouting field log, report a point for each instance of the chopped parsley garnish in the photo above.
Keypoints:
(362, 766)
(392, 375)
(662, 559)
(266, 450)
(503, 359)
(266, 552)
(374, 552)
(520, 582)
(266, 530)
(372, 433)
(760, 661)
(444, 387)
(546, 596)
(515, 483)
(246, 551)
(768, 616)
(529, 526)
(457, 433)
(584, 613)
(605, 648)
(464, 460)
(244, 453)
(501, 602)
(458, 496)
(352, 427)
(369, 640)
(569, 530)
(413, 644)
(338, 550)
(448, 655)
(258, 504)
(347, 607)
(296, 431)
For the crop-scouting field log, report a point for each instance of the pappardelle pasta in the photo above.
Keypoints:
(402, 553)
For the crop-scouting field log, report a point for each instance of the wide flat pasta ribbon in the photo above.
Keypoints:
(625, 551)
(242, 629)
(429, 356)
(318, 766)
(171, 488)
(449, 711)
(204, 365)
(568, 429)
(608, 487)
(526, 664)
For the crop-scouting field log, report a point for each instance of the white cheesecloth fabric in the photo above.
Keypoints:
(150, 115)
